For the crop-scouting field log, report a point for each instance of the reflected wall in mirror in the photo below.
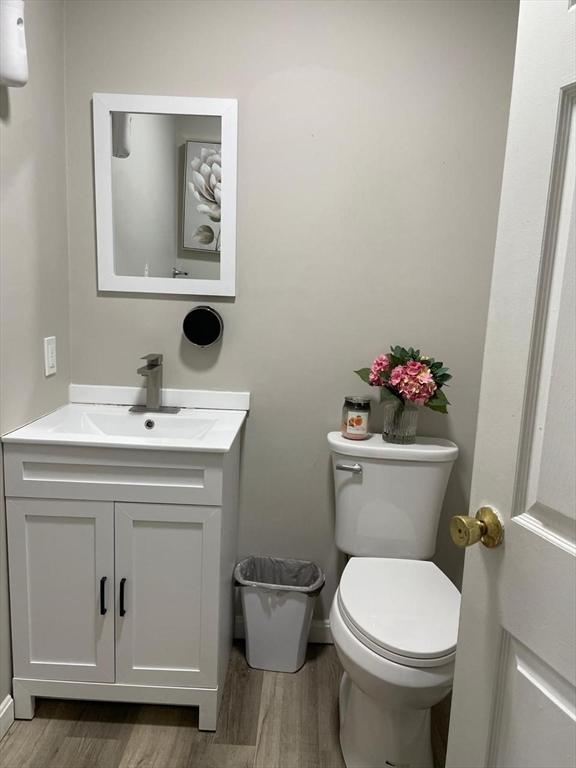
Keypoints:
(165, 173)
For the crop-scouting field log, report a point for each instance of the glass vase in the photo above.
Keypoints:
(400, 422)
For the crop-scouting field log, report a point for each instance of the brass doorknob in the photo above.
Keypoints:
(485, 527)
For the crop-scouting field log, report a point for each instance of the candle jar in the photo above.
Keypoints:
(355, 414)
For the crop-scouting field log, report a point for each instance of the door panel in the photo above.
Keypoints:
(59, 551)
(168, 555)
(534, 724)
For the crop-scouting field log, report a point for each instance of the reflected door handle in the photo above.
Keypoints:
(356, 469)
(485, 527)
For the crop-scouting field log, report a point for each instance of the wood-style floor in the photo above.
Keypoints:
(267, 720)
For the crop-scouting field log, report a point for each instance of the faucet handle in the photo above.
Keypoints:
(153, 359)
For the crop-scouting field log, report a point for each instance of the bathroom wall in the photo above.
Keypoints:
(34, 266)
(371, 141)
(33, 247)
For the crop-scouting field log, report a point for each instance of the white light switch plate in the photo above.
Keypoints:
(50, 367)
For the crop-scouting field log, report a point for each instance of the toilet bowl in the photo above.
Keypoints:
(394, 625)
(394, 618)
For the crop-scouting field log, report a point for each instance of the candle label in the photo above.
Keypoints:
(357, 423)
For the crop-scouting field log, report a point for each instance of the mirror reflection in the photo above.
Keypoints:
(166, 195)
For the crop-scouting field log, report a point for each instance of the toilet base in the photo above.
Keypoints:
(373, 736)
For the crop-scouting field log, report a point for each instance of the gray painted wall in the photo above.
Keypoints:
(371, 141)
(370, 155)
(33, 248)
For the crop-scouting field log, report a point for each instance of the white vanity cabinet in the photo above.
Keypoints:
(121, 573)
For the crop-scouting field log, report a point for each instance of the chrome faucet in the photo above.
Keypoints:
(177, 272)
(152, 372)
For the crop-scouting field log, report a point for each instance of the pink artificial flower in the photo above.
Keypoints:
(414, 381)
(397, 375)
(377, 370)
(413, 367)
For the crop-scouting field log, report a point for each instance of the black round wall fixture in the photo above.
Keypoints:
(203, 326)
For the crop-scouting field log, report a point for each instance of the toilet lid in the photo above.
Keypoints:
(408, 609)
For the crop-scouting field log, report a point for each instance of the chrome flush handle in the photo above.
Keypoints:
(356, 469)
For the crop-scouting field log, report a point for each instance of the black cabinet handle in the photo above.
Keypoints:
(103, 608)
(122, 589)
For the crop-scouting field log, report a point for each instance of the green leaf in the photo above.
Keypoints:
(437, 408)
(403, 355)
(364, 374)
(438, 402)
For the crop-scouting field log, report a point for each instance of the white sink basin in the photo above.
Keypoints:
(151, 425)
(116, 426)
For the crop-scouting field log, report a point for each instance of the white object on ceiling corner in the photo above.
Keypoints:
(13, 55)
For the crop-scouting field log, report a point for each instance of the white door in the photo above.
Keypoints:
(167, 566)
(61, 556)
(514, 695)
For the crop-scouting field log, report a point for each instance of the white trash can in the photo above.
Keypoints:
(278, 596)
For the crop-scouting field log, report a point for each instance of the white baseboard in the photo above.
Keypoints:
(6, 715)
(319, 631)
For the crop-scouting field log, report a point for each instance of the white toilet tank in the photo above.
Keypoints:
(388, 497)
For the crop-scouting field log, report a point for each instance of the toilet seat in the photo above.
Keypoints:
(406, 611)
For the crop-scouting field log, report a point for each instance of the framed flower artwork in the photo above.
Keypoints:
(202, 196)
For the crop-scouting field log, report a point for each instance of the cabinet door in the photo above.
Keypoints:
(167, 559)
(61, 559)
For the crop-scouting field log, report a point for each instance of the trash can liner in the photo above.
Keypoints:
(277, 574)
(278, 596)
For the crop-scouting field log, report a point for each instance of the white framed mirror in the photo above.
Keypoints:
(165, 186)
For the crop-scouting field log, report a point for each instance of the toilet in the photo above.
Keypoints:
(394, 618)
